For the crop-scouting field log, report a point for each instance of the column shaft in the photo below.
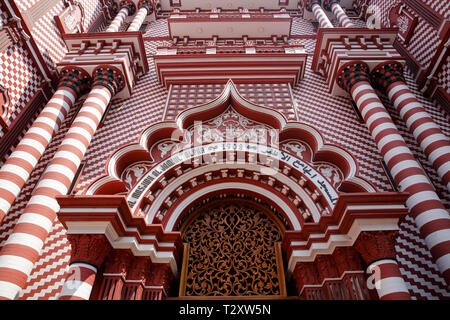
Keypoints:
(79, 284)
(138, 19)
(17, 169)
(424, 204)
(340, 14)
(321, 16)
(427, 133)
(23, 246)
(388, 280)
(118, 20)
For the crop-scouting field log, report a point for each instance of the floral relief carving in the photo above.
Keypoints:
(232, 252)
(331, 173)
(132, 174)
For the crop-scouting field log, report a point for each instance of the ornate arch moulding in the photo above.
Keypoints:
(319, 211)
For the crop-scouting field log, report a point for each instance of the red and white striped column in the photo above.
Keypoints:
(127, 8)
(23, 246)
(389, 77)
(17, 169)
(424, 204)
(319, 14)
(88, 253)
(145, 8)
(378, 251)
(339, 13)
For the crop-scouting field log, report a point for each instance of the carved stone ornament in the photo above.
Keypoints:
(89, 248)
(375, 245)
(232, 252)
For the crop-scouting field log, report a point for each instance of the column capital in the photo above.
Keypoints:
(89, 248)
(351, 73)
(76, 79)
(129, 5)
(327, 4)
(326, 266)
(305, 273)
(376, 245)
(140, 269)
(109, 77)
(160, 275)
(147, 4)
(347, 259)
(118, 262)
(387, 73)
(310, 3)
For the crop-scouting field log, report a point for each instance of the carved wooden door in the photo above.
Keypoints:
(232, 248)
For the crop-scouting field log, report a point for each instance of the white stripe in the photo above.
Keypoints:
(4, 205)
(396, 89)
(84, 120)
(44, 201)
(419, 197)
(424, 126)
(41, 132)
(412, 180)
(389, 138)
(9, 290)
(61, 169)
(433, 138)
(390, 285)
(402, 165)
(14, 262)
(381, 127)
(103, 92)
(50, 122)
(76, 288)
(69, 156)
(66, 93)
(98, 102)
(37, 219)
(34, 144)
(395, 152)
(437, 237)
(359, 88)
(417, 116)
(439, 152)
(75, 143)
(443, 169)
(17, 170)
(53, 184)
(26, 239)
(431, 215)
(443, 263)
(10, 186)
(22, 155)
(377, 116)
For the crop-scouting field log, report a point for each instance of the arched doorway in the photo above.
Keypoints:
(232, 248)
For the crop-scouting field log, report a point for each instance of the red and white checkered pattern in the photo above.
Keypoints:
(48, 38)
(275, 95)
(301, 27)
(444, 76)
(158, 28)
(441, 7)
(92, 9)
(20, 77)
